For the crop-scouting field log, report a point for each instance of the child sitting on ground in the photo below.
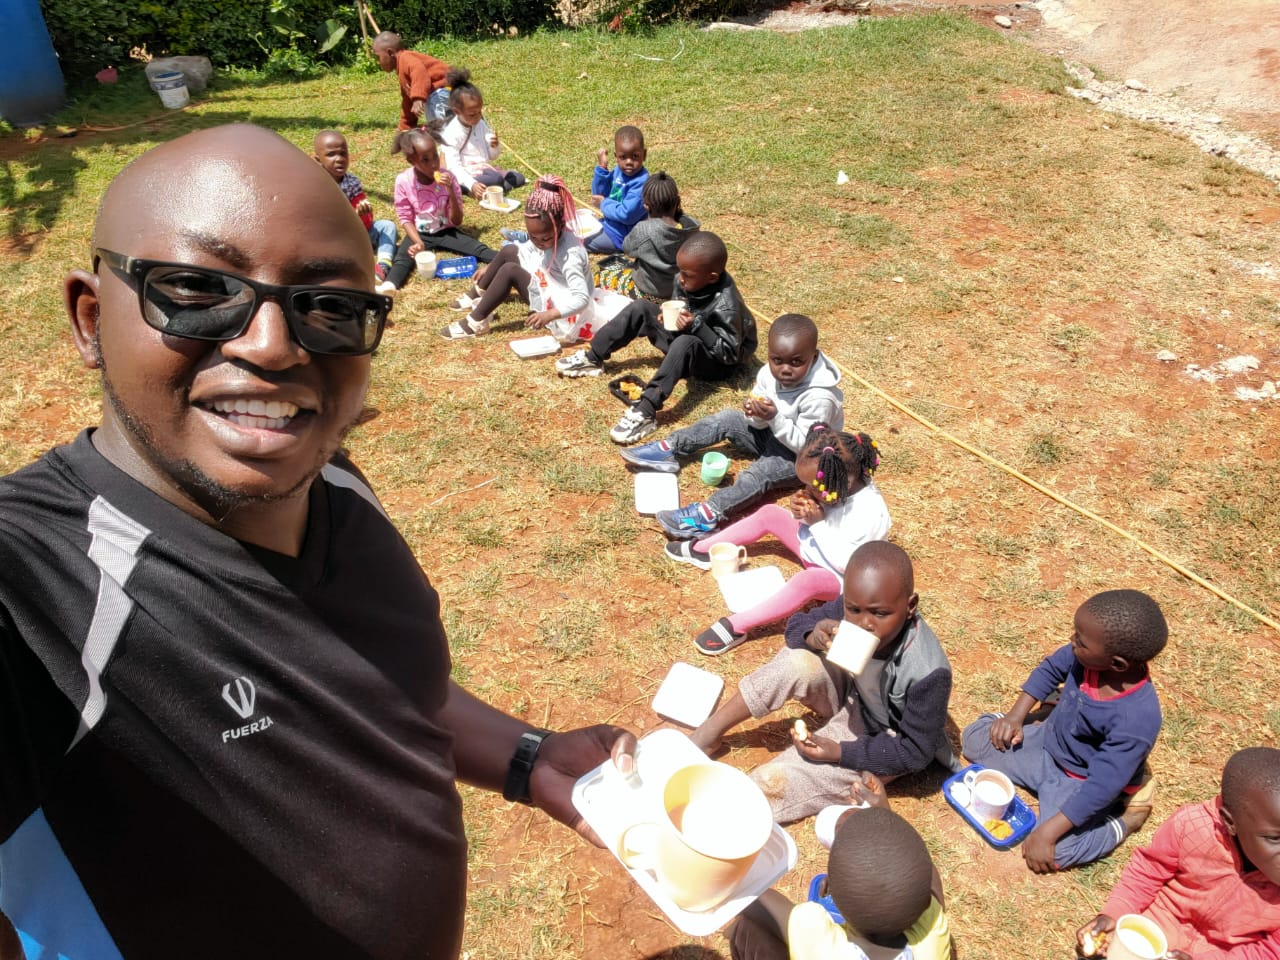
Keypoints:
(653, 242)
(470, 146)
(1087, 761)
(716, 334)
(882, 880)
(618, 192)
(888, 720)
(796, 389)
(1211, 878)
(550, 272)
(429, 205)
(329, 147)
(424, 94)
(836, 510)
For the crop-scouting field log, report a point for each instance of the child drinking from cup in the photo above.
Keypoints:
(549, 270)
(882, 880)
(329, 147)
(652, 243)
(429, 205)
(888, 719)
(798, 388)
(470, 145)
(1210, 880)
(1087, 761)
(837, 509)
(618, 192)
(715, 333)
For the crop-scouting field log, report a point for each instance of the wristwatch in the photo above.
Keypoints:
(516, 789)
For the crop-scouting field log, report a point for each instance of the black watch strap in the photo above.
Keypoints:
(516, 789)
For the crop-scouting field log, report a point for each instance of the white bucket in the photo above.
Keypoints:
(172, 87)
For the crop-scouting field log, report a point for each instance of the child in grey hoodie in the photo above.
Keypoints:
(796, 389)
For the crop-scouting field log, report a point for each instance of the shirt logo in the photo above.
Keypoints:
(242, 701)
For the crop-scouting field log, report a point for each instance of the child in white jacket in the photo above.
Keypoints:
(470, 146)
(836, 510)
(797, 389)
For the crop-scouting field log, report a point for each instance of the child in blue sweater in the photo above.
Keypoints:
(1087, 761)
(619, 192)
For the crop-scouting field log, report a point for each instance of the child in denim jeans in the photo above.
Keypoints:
(796, 389)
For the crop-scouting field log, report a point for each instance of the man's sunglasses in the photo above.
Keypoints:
(199, 303)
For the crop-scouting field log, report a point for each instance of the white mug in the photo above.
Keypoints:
(990, 793)
(852, 647)
(493, 196)
(726, 558)
(1136, 938)
(671, 313)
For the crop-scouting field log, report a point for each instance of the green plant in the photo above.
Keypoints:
(417, 19)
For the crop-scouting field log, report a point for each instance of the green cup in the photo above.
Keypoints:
(714, 467)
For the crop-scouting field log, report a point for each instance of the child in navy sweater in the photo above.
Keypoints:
(1087, 761)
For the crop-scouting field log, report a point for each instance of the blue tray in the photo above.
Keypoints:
(456, 269)
(815, 896)
(1020, 816)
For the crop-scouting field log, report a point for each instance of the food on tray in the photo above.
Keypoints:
(1093, 944)
(802, 731)
(998, 829)
(631, 391)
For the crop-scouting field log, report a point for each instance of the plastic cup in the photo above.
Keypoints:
(671, 313)
(426, 261)
(714, 467)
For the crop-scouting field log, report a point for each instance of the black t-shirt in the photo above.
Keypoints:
(211, 750)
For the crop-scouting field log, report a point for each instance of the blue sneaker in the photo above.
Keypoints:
(652, 456)
(688, 523)
(512, 235)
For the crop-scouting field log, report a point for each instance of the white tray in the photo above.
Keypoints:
(535, 346)
(609, 804)
(688, 694)
(508, 205)
(746, 588)
(656, 491)
(587, 224)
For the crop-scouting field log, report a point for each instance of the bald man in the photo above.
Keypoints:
(227, 727)
(424, 95)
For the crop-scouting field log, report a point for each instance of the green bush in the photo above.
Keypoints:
(92, 34)
(416, 20)
(634, 15)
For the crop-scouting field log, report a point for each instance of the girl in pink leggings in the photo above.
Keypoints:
(837, 509)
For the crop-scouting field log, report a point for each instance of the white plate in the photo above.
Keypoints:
(688, 694)
(656, 491)
(746, 588)
(508, 205)
(535, 346)
(587, 224)
(609, 804)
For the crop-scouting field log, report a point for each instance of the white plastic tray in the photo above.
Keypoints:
(688, 694)
(587, 224)
(535, 346)
(609, 804)
(746, 588)
(656, 491)
(508, 205)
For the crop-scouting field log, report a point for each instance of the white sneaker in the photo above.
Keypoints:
(386, 288)
(634, 425)
(578, 364)
(465, 328)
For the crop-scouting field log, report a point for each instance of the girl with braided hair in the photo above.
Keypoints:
(836, 510)
(549, 271)
(649, 269)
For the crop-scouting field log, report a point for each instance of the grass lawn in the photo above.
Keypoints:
(1004, 264)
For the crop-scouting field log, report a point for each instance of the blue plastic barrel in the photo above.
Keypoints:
(31, 88)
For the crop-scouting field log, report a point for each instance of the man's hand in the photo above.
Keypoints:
(817, 749)
(564, 757)
(820, 637)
